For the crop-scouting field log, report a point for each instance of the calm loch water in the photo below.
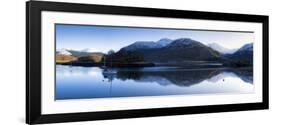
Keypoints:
(93, 82)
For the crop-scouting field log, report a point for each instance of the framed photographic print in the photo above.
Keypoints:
(95, 62)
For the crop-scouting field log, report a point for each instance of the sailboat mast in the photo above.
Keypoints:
(111, 61)
(104, 61)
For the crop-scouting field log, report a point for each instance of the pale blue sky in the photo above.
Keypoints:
(102, 39)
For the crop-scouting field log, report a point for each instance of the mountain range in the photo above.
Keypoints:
(171, 51)
(183, 49)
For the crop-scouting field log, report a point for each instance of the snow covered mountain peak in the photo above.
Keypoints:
(63, 51)
(248, 47)
(182, 42)
(221, 49)
(164, 42)
(148, 44)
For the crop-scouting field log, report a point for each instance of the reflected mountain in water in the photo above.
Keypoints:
(246, 75)
(180, 76)
(74, 82)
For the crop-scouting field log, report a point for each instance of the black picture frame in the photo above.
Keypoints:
(33, 61)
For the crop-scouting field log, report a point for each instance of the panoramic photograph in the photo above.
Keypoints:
(113, 61)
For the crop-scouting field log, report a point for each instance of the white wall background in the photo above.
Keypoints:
(12, 64)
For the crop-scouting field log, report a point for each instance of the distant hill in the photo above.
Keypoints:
(183, 49)
(221, 49)
(61, 58)
(243, 56)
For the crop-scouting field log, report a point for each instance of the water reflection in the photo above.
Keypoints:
(180, 76)
(93, 82)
